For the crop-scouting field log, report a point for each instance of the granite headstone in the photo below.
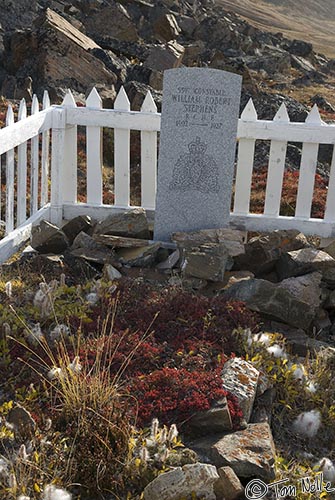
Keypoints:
(197, 150)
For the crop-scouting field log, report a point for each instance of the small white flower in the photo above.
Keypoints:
(55, 373)
(92, 298)
(262, 338)
(8, 289)
(51, 492)
(326, 466)
(23, 452)
(299, 373)
(23, 497)
(163, 436)
(154, 427)
(307, 424)
(75, 366)
(277, 351)
(173, 433)
(34, 334)
(144, 454)
(311, 387)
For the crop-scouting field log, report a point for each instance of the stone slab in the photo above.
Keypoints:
(197, 150)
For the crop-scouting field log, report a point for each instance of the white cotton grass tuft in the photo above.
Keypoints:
(326, 466)
(4, 468)
(23, 497)
(92, 298)
(59, 332)
(277, 351)
(311, 387)
(55, 373)
(51, 492)
(34, 335)
(262, 338)
(307, 424)
(9, 289)
(173, 433)
(299, 372)
(154, 428)
(75, 366)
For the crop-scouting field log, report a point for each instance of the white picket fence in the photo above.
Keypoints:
(42, 149)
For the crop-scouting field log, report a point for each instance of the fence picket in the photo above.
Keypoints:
(245, 163)
(121, 155)
(9, 178)
(276, 169)
(45, 166)
(22, 171)
(148, 158)
(94, 153)
(69, 184)
(309, 158)
(34, 163)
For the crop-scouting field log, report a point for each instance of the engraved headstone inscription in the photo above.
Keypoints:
(197, 150)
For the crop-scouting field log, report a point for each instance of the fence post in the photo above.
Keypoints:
(94, 154)
(22, 172)
(10, 178)
(34, 163)
(121, 155)
(57, 165)
(45, 156)
(148, 158)
(69, 179)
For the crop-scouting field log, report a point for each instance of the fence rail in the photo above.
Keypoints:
(40, 166)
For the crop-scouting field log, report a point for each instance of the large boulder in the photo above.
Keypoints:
(163, 57)
(129, 224)
(48, 238)
(207, 261)
(272, 301)
(306, 288)
(113, 20)
(233, 239)
(240, 378)
(306, 260)
(190, 481)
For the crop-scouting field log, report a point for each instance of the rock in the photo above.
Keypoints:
(48, 238)
(276, 303)
(122, 28)
(212, 421)
(322, 103)
(271, 59)
(249, 452)
(120, 241)
(170, 262)
(118, 66)
(262, 252)
(137, 92)
(302, 64)
(232, 277)
(329, 278)
(22, 421)
(297, 340)
(129, 224)
(305, 288)
(228, 486)
(187, 25)
(207, 261)
(240, 378)
(330, 248)
(182, 482)
(97, 256)
(262, 411)
(82, 223)
(84, 240)
(165, 57)
(326, 358)
(55, 55)
(303, 261)
(233, 239)
(110, 273)
(166, 27)
(80, 268)
(300, 48)
(138, 257)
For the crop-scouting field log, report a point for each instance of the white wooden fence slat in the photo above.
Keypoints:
(9, 178)
(330, 205)
(276, 169)
(245, 162)
(122, 156)
(57, 167)
(113, 118)
(148, 158)
(23, 130)
(34, 163)
(94, 153)
(22, 172)
(69, 180)
(309, 158)
(45, 166)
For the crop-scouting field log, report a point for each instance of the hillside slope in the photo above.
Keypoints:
(309, 20)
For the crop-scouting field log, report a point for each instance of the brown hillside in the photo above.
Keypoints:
(309, 20)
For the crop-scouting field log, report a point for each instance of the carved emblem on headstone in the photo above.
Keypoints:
(195, 170)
